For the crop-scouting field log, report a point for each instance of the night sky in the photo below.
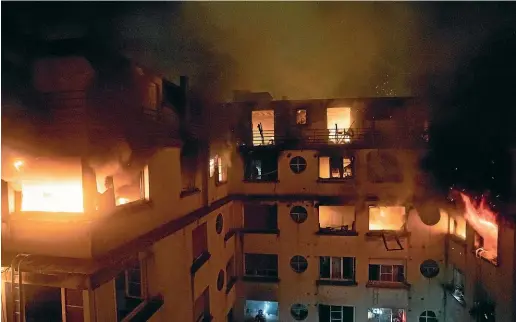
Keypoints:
(460, 57)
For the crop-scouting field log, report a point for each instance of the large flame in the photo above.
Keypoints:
(483, 220)
(58, 196)
(386, 218)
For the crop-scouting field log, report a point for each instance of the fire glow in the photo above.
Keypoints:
(483, 220)
(61, 196)
(386, 218)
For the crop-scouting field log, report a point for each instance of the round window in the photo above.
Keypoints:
(428, 316)
(297, 164)
(299, 312)
(219, 223)
(220, 280)
(298, 214)
(429, 268)
(299, 264)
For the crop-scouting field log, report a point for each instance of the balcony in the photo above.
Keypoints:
(354, 137)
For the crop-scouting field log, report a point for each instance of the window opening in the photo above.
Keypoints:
(298, 164)
(337, 268)
(298, 214)
(299, 264)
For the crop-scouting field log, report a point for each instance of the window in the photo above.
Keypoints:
(260, 217)
(386, 315)
(338, 123)
(212, 167)
(299, 264)
(297, 164)
(129, 290)
(458, 285)
(335, 313)
(337, 218)
(263, 127)
(429, 268)
(73, 304)
(188, 169)
(136, 189)
(268, 309)
(199, 241)
(428, 316)
(301, 116)
(202, 306)
(261, 167)
(219, 223)
(387, 218)
(335, 167)
(152, 96)
(383, 167)
(386, 273)
(458, 226)
(220, 280)
(299, 312)
(261, 265)
(298, 214)
(337, 268)
(222, 171)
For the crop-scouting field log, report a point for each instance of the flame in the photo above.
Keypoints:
(122, 201)
(386, 218)
(483, 220)
(52, 196)
(18, 164)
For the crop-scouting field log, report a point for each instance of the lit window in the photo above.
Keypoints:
(301, 116)
(458, 226)
(221, 171)
(337, 268)
(212, 167)
(263, 127)
(335, 168)
(386, 314)
(341, 218)
(338, 124)
(386, 218)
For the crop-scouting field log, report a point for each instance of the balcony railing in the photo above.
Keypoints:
(360, 136)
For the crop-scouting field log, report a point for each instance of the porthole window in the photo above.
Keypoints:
(429, 268)
(219, 223)
(299, 312)
(298, 214)
(220, 280)
(297, 164)
(428, 316)
(299, 264)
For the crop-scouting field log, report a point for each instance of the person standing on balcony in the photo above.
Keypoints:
(260, 128)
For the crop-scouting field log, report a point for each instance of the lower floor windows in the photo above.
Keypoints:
(386, 273)
(335, 313)
(261, 311)
(337, 268)
(386, 315)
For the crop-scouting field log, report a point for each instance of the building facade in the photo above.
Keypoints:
(305, 211)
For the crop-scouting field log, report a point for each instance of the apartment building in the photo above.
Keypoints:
(304, 210)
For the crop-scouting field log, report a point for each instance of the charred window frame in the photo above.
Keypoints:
(189, 165)
(332, 167)
(261, 167)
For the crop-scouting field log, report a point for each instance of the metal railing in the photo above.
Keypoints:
(343, 137)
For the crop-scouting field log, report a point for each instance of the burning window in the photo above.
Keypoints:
(263, 127)
(338, 124)
(386, 314)
(51, 185)
(337, 268)
(458, 226)
(387, 218)
(335, 167)
(301, 116)
(136, 189)
(212, 167)
(337, 218)
(484, 221)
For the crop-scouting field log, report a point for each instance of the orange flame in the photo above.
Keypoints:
(483, 220)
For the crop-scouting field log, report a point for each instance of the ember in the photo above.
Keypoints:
(483, 220)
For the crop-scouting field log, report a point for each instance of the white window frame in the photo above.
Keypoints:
(339, 309)
(143, 282)
(341, 269)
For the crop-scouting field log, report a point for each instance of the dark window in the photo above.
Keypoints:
(219, 223)
(220, 280)
(202, 306)
(337, 268)
(334, 313)
(383, 167)
(428, 316)
(299, 312)
(261, 265)
(299, 264)
(189, 159)
(199, 241)
(386, 273)
(260, 217)
(301, 116)
(129, 293)
(261, 167)
(297, 164)
(429, 268)
(298, 214)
